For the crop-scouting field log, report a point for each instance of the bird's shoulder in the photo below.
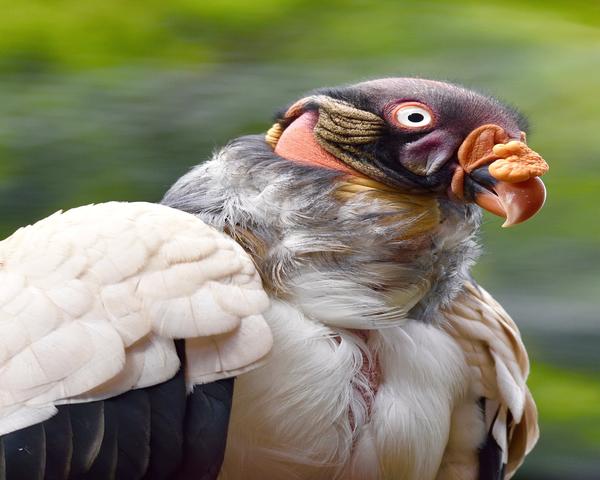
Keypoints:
(92, 298)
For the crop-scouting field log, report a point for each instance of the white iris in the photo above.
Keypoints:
(412, 116)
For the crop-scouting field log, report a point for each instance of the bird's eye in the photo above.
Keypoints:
(412, 115)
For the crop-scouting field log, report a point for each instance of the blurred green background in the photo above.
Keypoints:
(105, 100)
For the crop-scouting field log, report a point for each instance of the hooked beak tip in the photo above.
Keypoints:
(516, 202)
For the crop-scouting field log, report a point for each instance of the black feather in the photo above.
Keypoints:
(206, 425)
(2, 462)
(490, 455)
(133, 410)
(87, 422)
(167, 412)
(59, 445)
(105, 464)
(490, 461)
(25, 453)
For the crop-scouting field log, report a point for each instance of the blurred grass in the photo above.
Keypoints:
(568, 404)
(116, 99)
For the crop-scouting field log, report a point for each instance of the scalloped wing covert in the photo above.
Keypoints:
(92, 298)
(495, 352)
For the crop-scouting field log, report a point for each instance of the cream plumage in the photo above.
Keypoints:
(92, 299)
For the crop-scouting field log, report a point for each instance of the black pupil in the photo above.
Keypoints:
(416, 117)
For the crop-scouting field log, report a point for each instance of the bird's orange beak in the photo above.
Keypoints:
(503, 174)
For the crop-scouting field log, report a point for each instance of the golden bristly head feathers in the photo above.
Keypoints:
(420, 212)
(274, 134)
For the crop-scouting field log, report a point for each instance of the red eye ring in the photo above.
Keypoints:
(412, 116)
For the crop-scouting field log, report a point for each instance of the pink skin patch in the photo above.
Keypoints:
(298, 143)
(372, 372)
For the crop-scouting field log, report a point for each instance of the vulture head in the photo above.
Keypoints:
(418, 136)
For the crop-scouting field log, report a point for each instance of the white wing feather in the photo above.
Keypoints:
(91, 300)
